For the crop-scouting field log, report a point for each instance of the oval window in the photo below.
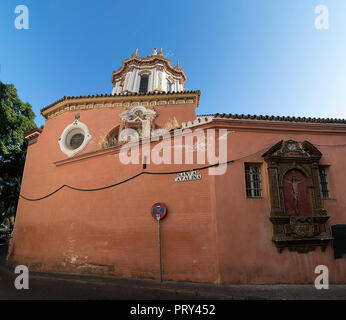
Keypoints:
(76, 140)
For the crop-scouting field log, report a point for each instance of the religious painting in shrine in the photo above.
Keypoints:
(297, 213)
(296, 194)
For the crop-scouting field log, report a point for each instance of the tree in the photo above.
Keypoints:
(16, 117)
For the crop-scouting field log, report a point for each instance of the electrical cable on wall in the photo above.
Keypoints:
(137, 175)
(153, 173)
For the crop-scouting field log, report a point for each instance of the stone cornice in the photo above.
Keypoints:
(32, 132)
(32, 135)
(150, 99)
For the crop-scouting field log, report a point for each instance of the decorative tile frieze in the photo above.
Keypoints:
(90, 106)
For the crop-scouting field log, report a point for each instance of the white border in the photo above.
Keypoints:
(62, 140)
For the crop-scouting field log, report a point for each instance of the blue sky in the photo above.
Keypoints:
(246, 56)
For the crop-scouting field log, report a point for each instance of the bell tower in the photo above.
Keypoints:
(151, 74)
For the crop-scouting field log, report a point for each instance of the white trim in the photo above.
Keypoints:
(76, 127)
(32, 134)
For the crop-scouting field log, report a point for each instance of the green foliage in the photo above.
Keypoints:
(16, 118)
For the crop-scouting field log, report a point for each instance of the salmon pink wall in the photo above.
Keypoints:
(110, 231)
(246, 252)
(212, 232)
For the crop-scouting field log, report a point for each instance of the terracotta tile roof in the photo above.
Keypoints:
(127, 94)
(230, 116)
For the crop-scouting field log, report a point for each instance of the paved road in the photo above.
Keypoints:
(67, 286)
(48, 286)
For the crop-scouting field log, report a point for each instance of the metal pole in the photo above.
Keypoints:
(158, 229)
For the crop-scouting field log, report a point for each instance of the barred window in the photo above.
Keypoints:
(324, 183)
(253, 181)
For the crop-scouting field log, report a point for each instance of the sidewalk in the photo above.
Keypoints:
(44, 285)
(71, 286)
(210, 291)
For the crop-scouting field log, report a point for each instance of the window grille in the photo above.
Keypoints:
(253, 181)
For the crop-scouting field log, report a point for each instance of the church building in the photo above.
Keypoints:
(248, 199)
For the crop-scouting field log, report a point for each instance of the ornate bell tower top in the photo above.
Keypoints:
(154, 73)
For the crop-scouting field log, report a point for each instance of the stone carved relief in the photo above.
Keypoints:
(297, 213)
(138, 113)
(139, 119)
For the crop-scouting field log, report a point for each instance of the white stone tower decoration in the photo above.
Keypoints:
(154, 73)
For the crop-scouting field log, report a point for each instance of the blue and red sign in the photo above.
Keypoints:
(158, 211)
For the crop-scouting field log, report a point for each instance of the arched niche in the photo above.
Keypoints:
(112, 138)
(297, 195)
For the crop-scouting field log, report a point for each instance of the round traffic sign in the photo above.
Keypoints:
(158, 211)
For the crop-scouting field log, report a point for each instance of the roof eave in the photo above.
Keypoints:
(117, 97)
